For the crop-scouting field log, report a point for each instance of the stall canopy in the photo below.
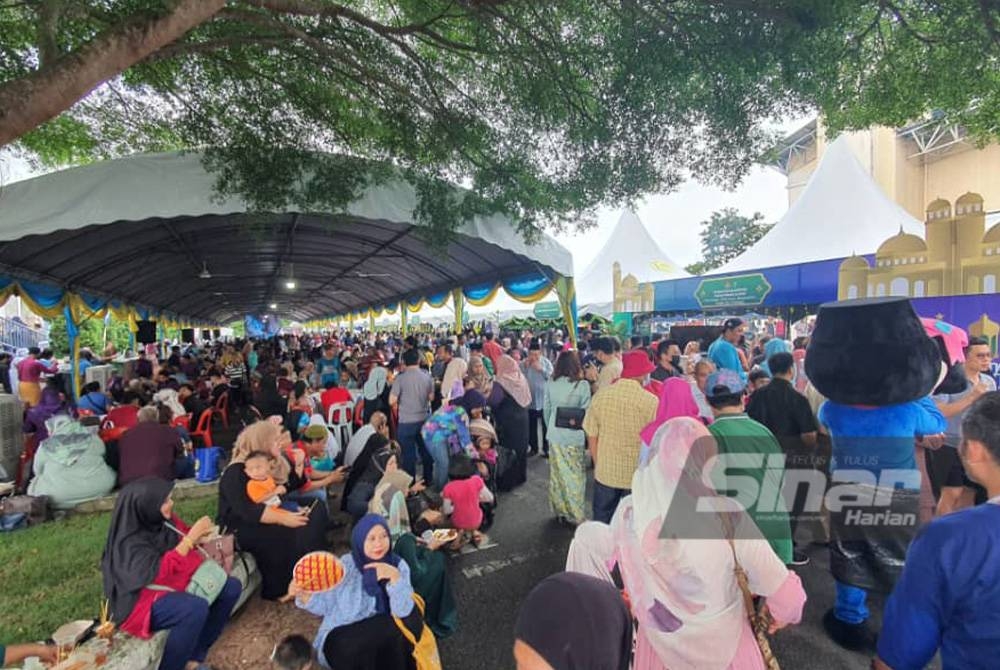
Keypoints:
(149, 233)
(841, 212)
(635, 250)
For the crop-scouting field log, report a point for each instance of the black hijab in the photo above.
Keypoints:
(598, 636)
(137, 540)
(269, 401)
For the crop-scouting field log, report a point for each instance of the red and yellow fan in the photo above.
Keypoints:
(317, 571)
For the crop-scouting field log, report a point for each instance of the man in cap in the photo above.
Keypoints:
(613, 422)
(739, 436)
(313, 444)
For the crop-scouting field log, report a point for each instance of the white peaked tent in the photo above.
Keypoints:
(842, 211)
(635, 250)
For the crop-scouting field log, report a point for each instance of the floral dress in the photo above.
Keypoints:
(446, 434)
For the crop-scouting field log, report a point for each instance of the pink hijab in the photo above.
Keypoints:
(513, 381)
(676, 400)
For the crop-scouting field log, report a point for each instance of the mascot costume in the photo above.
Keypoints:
(874, 362)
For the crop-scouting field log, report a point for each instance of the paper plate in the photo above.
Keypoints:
(445, 534)
(317, 571)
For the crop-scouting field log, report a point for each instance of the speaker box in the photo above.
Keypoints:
(216, 334)
(146, 333)
(206, 335)
(187, 335)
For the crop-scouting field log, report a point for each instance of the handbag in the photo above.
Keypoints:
(210, 578)
(34, 508)
(418, 634)
(759, 616)
(570, 418)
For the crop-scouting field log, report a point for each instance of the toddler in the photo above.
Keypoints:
(261, 487)
(294, 653)
(465, 492)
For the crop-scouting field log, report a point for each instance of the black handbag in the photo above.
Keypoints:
(570, 418)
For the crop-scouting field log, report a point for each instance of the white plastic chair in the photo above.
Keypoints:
(340, 421)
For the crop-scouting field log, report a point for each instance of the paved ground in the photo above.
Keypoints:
(491, 583)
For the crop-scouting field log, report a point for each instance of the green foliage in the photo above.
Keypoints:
(91, 335)
(51, 574)
(542, 110)
(725, 236)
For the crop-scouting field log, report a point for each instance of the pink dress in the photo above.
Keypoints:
(464, 497)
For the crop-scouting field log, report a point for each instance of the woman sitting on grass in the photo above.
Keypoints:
(142, 551)
(358, 631)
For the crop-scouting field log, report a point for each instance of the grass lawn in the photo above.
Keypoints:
(51, 574)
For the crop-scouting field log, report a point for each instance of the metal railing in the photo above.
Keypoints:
(16, 335)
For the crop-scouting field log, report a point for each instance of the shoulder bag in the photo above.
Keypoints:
(208, 580)
(570, 418)
(760, 618)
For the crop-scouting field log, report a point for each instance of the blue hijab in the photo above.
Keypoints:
(369, 577)
(774, 346)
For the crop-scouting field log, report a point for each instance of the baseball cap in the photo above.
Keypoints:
(724, 382)
(315, 432)
(732, 322)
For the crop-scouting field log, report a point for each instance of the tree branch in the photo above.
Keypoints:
(49, 12)
(28, 102)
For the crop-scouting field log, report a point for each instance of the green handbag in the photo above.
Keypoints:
(207, 581)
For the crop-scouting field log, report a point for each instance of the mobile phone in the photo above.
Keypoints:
(311, 507)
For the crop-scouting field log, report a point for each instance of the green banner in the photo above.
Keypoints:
(547, 310)
(738, 291)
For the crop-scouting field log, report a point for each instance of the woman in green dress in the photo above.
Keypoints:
(409, 515)
(567, 447)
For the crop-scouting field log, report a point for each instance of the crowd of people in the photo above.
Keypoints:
(443, 424)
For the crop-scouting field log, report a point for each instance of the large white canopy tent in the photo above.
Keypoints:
(638, 253)
(149, 230)
(841, 212)
(147, 237)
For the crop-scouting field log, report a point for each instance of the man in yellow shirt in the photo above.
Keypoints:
(613, 422)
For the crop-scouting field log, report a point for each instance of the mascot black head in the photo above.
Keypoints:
(872, 351)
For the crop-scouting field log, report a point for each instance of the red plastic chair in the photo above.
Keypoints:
(182, 421)
(204, 428)
(222, 408)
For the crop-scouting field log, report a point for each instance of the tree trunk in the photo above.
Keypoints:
(30, 101)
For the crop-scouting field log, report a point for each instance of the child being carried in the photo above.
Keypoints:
(261, 487)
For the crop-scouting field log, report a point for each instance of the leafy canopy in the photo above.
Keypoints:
(725, 235)
(542, 110)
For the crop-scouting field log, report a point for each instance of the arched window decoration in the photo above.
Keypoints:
(880, 291)
(852, 291)
(900, 287)
(871, 291)
(918, 288)
(990, 284)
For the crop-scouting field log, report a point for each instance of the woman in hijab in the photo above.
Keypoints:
(358, 631)
(683, 589)
(775, 345)
(52, 402)
(446, 433)
(70, 466)
(142, 550)
(269, 400)
(598, 636)
(676, 399)
(479, 376)
(510, 399)
(376, 393)
(366, 473)
(409, 517)
(275, 538)
(455, 372)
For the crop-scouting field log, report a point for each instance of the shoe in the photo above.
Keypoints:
(545, 455)
(799, 558)
(853, 636)
(532, 452)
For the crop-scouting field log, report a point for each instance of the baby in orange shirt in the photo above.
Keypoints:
(261, 487)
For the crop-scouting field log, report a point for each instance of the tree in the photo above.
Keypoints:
(725, 236)
(543, 110)
(92, 335)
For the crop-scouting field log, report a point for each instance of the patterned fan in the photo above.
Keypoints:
(318, 571)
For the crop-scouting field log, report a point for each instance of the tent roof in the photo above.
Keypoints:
(840, 212)
(636, 250)
(142, 228)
